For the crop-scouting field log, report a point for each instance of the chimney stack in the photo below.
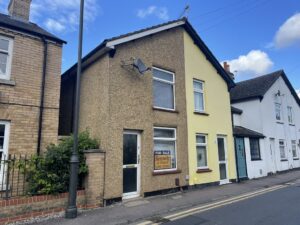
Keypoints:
(227, 69)
(19, 9)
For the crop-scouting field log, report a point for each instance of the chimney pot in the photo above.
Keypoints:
(19, 9)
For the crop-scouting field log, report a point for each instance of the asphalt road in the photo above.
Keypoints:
(280, 207)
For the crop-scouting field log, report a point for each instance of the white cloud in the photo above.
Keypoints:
(54, 25)
(288, 33)
(298, 92)
(62, 15)
(255, 63)
(160, 12)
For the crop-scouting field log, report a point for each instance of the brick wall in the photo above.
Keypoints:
(22, 208)
(19, 103)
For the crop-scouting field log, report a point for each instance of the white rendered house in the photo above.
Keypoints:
(268, 106)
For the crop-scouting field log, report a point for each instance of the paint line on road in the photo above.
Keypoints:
(210, 206)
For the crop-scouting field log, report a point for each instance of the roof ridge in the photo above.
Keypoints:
(265, 75)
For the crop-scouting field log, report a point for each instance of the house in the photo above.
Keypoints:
(136, 90)
(30, 67)
(267, 127)
(210, 139)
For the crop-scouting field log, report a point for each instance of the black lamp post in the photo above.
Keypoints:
(71, 211)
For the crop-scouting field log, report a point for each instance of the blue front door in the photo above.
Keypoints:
(241, 157)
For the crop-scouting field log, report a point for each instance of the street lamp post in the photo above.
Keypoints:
(71, 211)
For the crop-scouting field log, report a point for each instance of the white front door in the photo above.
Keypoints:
(272, 162)
(223, 167)
(4, 139)
(131, 164)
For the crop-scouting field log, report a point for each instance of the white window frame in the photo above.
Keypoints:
(280, 112)
(294, 144)
(283, 145)
(290, 115)
(205, 145)
(6, 76)
(167, 82)
(5, 151)
(166, 139)
(199, 91)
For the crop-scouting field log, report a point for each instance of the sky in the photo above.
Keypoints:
(254, 36)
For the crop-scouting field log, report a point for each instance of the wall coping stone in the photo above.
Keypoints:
(93, 151)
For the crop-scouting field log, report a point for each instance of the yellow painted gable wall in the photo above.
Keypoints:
(218, 122)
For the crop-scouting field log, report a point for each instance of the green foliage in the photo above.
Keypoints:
(50, 173)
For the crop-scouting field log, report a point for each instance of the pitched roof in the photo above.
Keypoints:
(240, 131)
(108, 45)
(235, 110)
(256, 88)
(27, 27)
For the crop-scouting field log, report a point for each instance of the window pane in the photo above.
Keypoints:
(164, 133)
(201, 156)
(164, 155)
(163, 95)
(221, 149)
(200, 139)
(223, 174)
(3, 62)
(162, 75)
(1, 143)
(198, 101)
(198, 85)
(4, 44)
(278, 111)
(129, 149)
(254, 149)
(2, 130)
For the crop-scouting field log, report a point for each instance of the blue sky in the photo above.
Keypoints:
(254, 36)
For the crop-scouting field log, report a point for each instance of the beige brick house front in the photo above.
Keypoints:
(30, 66)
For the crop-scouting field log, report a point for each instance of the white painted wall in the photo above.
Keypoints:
(260, 116)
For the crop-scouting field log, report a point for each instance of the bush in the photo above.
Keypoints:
(50, 173)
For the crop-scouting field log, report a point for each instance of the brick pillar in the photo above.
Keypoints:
(94, 181)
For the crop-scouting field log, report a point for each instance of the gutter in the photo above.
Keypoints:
(41, 113)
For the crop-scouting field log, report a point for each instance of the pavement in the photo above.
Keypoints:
(154, 209)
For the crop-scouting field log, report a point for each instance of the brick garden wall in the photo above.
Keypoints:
(22, 208)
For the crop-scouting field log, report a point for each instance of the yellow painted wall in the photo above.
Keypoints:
(217, 105)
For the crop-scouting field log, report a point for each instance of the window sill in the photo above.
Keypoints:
(256, 159)
(201, 113)
(283, 160)
(206, 170)
(295, 158)
(279, 122)
(166, 172)
(7, 82)
(165, 110)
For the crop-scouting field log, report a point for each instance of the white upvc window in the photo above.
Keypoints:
(282, 149)
(6, 46)
(294, 149)
(290, 115)
(163, 89)
(198, 95)
(164, 148)
(278, 112)
(201, 148)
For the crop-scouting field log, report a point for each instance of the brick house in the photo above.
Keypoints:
(30, 67)
(139, 114)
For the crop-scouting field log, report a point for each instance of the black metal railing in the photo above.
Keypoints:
(13, 176)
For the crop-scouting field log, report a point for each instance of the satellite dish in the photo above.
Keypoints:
(138, 63)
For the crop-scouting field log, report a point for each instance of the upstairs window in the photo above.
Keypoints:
(5, 57)
(278, 113)
(198, 95)
(290, 115)
(254, 149)
(282, 149)
(163, 89)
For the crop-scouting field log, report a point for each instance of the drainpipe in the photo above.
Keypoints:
(40, 128)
